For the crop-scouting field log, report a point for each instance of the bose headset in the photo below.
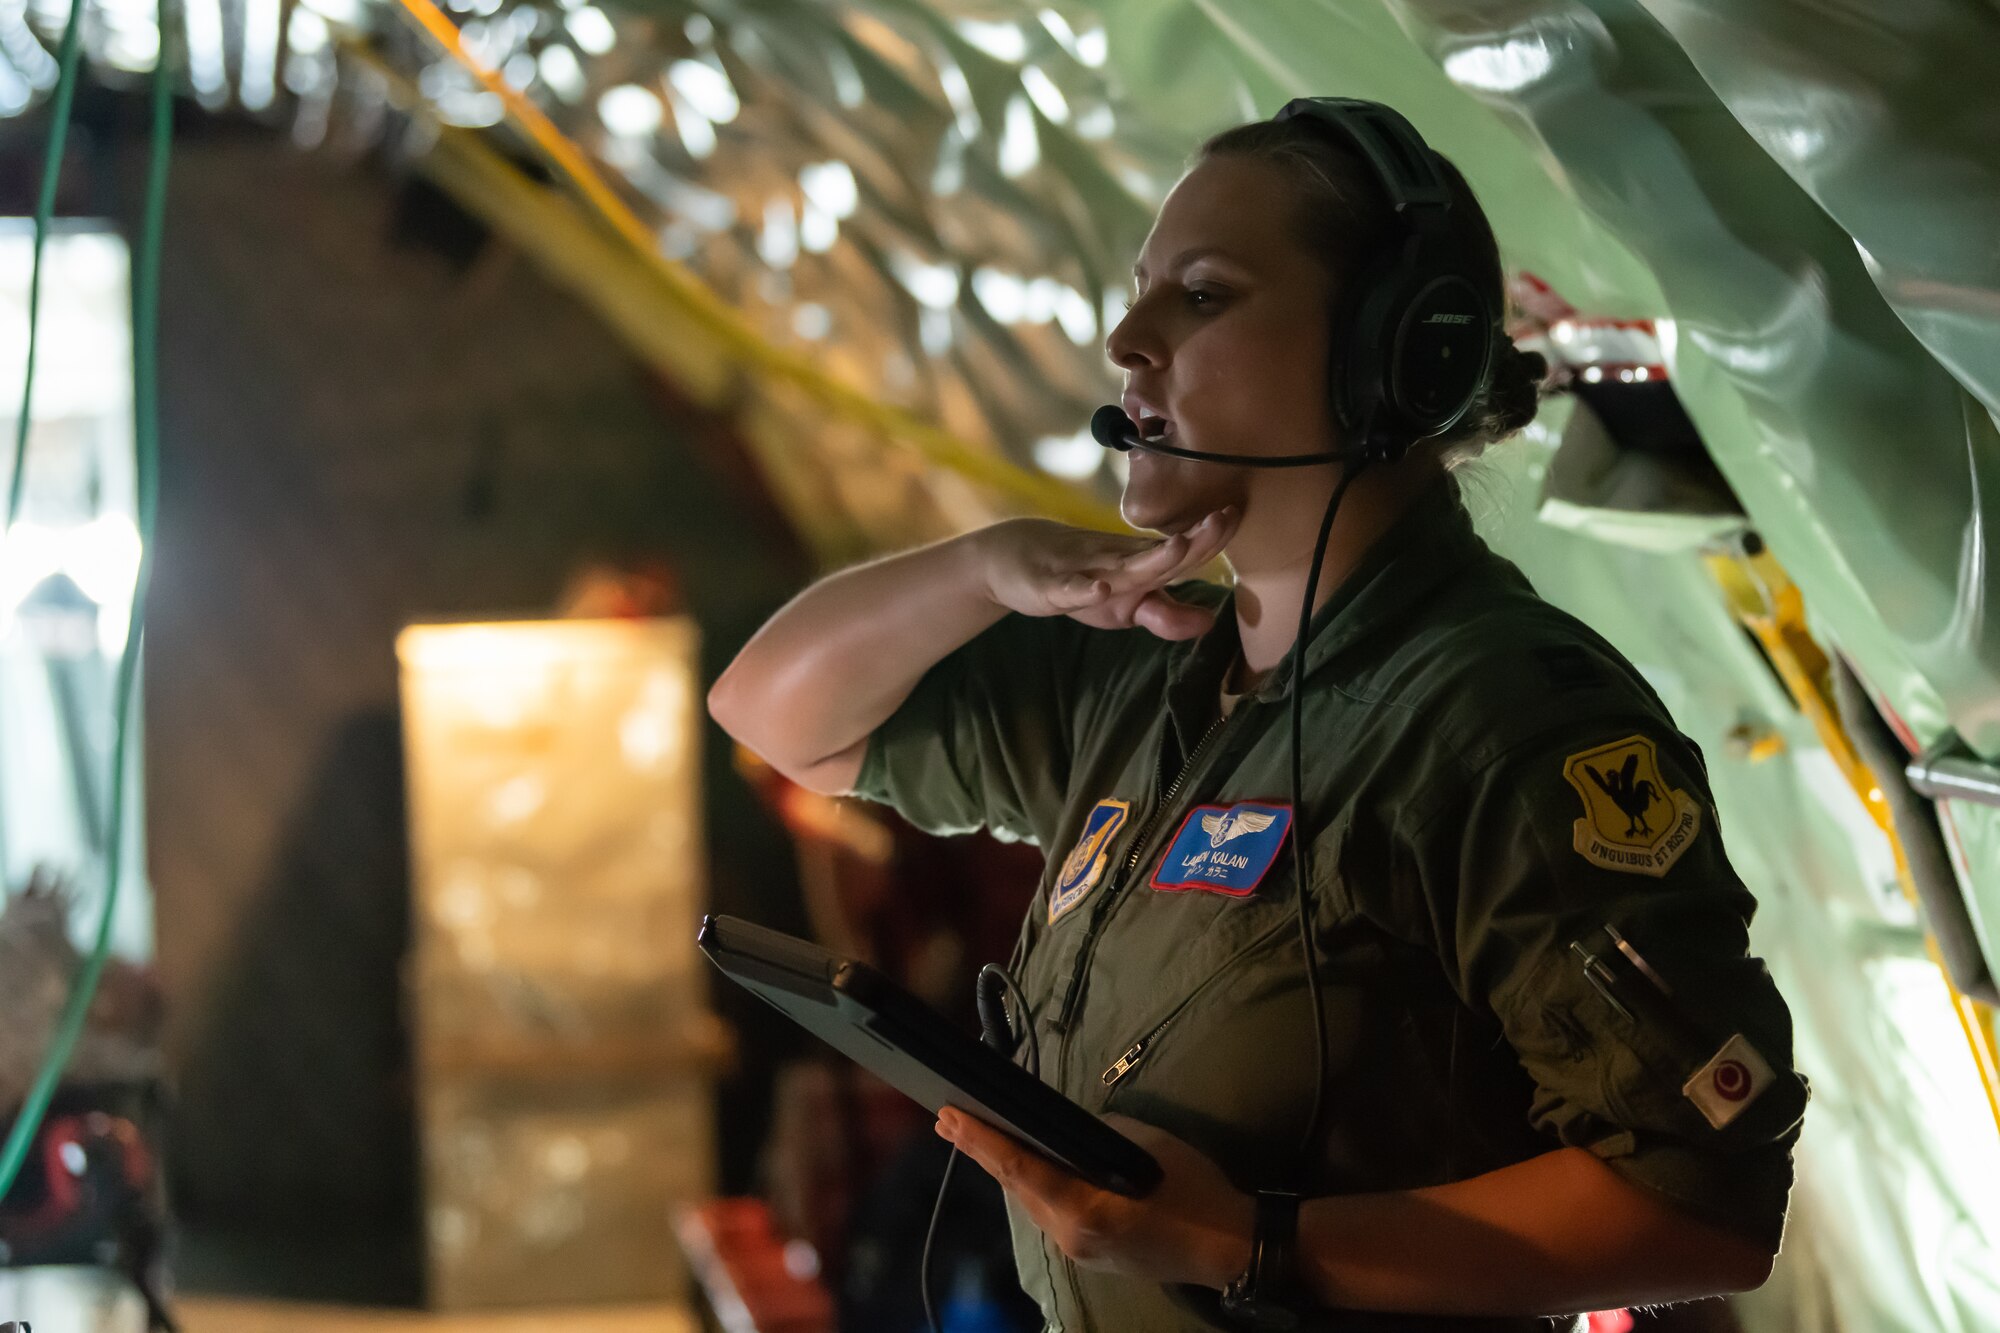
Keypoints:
(1410, 353)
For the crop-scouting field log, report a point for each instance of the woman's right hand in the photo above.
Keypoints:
(1106, 580)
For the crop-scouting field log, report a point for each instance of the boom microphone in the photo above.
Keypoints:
(1115, 430)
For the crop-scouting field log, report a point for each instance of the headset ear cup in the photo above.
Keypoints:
(1359, 342)
(1413, 353)
(1440, 351)
(1411, 341)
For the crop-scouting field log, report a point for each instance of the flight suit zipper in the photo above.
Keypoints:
(1139, 1049)
(1173, 790)
(1123, 1064)
(1066, 1011)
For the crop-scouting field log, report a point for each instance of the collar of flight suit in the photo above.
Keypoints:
(1432, 540)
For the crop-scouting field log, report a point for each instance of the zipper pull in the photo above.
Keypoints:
(1125, 1062)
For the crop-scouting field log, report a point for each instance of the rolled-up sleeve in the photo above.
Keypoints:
(1582, 895)
(985, 739)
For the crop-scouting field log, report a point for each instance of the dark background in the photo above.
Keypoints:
(371, 415)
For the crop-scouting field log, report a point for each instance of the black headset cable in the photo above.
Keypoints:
(1301, 863)
(998, 1033)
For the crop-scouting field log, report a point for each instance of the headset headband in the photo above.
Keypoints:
(1414, 346)
(1409, 170)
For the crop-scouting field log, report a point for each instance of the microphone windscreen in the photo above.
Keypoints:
(1112, 428)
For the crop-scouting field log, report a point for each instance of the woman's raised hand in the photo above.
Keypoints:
(1106, 580)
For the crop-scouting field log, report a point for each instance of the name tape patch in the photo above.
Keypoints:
(1224, 848)
(1086, 862)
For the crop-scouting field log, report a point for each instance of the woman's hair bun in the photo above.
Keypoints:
(1508, 403)
(1514, 392)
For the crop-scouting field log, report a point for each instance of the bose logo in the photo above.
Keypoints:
(1449, 319)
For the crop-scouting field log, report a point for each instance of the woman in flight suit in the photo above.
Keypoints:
(1555, 1079)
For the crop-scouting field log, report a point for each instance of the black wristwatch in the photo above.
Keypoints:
(1268, 1293)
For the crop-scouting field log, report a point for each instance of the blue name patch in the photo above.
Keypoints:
(1224, 848)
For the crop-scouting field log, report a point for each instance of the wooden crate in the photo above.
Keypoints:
(564, 1049)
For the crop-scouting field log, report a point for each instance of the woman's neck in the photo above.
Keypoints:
(1271, 574)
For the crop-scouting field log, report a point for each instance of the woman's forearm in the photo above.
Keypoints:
(826, 670)
(1557, 1234)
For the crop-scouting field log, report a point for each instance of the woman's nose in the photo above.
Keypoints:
(1133, 346)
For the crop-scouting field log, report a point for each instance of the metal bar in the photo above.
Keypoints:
(1948, 770)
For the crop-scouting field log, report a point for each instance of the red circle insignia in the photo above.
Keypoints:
(1732, 1080)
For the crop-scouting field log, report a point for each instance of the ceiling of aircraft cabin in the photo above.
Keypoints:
(935, 205)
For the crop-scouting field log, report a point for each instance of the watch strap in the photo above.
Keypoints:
(1267, 1293)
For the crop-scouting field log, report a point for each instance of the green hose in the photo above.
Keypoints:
(146, 443)
(45, 207)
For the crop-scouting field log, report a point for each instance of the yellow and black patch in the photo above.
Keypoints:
(1632, 820)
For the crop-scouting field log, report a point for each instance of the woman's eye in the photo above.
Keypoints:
(1198, 299)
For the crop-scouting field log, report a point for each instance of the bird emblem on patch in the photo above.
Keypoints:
(1632, 820)
(1224, 848)
(1086, 862)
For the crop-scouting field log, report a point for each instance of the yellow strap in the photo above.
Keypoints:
(1043, 494)
(1770, 606)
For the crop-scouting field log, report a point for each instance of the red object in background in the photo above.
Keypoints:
(1611, 1321)
(755, 1280)
(91, 1195)
(635, 590)
(66, 1144)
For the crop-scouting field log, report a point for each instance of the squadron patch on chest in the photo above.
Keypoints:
(1087, 861)
(1224, 848)
(1632, 820)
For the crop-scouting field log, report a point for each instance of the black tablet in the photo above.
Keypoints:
(913, 1048)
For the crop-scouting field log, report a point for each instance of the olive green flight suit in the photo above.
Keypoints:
(1494, 800)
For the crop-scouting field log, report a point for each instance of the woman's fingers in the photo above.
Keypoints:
(1117, 580)
(1178, 556)
(1205, 540)
(1076, 591)
(1110, 592)
(1170, 619)
(1162, 554)
(1164, 561)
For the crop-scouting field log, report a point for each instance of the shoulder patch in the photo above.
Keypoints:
(1632, 820)
(1086, 862)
